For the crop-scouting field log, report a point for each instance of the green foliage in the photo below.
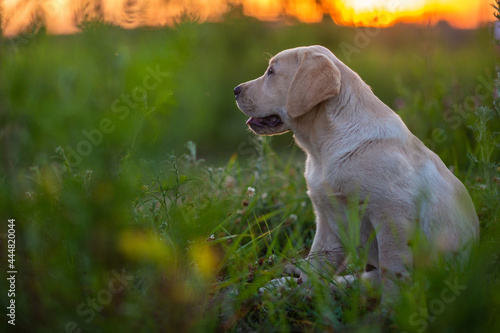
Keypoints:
(116, 230)
(488, 180)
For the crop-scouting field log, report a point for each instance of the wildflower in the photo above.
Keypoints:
(290, 220)
(264, 196)
(292, 217)
(250, 191)
(211, 238)
(88, 174)
(229, 182)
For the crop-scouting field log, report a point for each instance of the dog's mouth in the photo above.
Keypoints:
(269, 121)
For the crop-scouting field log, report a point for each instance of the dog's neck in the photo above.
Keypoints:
(312, 129)
(351, 117)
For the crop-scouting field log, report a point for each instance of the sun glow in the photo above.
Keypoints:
(459, 13)
(376, 12)
(61, 16)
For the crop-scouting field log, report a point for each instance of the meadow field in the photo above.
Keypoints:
(140, 202)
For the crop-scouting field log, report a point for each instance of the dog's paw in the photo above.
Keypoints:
(342, 283)
(286, 284)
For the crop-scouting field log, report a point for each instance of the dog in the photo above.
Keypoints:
(358, 149)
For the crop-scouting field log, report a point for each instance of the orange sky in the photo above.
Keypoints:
(59, 14)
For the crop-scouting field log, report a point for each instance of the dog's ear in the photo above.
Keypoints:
(316, 80)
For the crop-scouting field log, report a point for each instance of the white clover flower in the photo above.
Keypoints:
(250, 191)
(59, 150)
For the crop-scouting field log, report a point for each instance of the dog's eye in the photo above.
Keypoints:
(270, 71)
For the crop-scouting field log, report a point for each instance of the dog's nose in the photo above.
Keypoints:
(237, 91)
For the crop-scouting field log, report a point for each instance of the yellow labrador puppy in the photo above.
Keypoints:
(358, 148)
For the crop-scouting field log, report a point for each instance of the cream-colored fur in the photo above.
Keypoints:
(358, 149)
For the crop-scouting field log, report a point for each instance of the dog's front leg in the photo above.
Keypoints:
(326, 257)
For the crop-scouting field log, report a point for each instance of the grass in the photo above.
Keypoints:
(141, 204)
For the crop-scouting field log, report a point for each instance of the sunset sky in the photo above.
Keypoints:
(59, 14)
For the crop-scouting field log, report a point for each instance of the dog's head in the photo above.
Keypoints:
(296, 81)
